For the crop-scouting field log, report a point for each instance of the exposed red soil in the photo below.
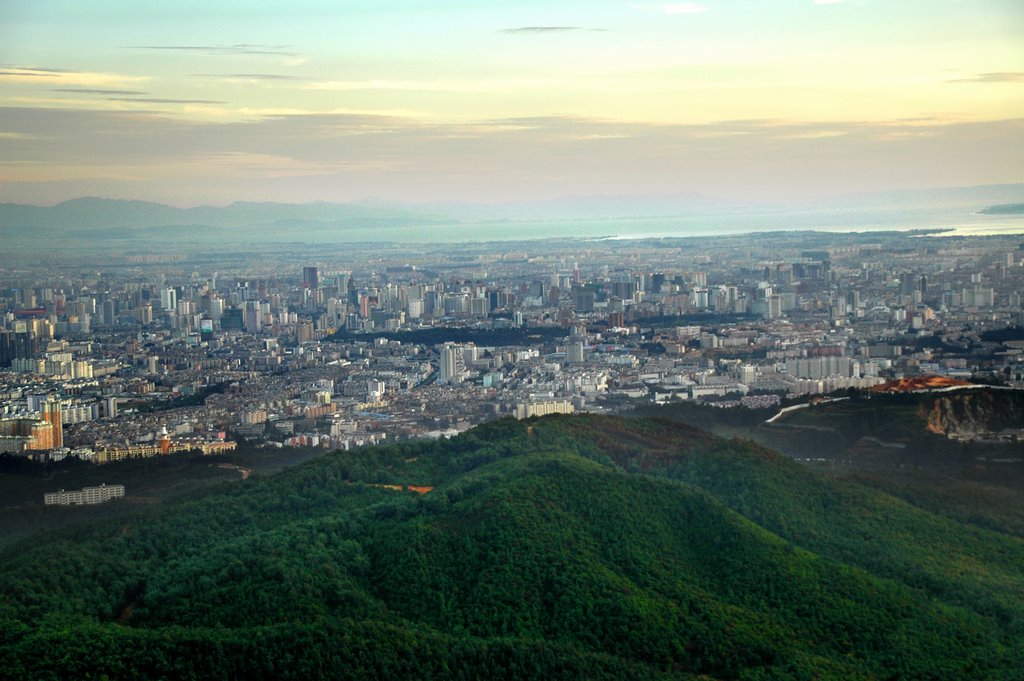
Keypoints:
(907, 385)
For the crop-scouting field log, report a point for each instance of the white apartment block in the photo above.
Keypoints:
(86, 495)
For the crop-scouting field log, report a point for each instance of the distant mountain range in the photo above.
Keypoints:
(98, 219)
(116, 216)
(126, 218)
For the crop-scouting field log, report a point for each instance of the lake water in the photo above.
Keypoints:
(952, 221)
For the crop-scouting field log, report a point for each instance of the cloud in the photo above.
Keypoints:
(813, 135)
(157, 100)
(262, 165)
(247, 76)
(488, 85)
(97, 91)
(547, 29)
(63, 77)
(241, 48)
(467, 86)
(18, 136)
(993, 77)
(31, 72)
(302, 157)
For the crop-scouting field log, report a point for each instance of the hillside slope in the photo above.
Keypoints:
(955, 433)
(565, 547)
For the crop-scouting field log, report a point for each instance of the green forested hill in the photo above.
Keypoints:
(945, 434)
(564, 547)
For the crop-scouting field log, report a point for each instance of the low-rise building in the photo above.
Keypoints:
(84, 496)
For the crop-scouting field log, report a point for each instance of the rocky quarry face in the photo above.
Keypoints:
(968, 414)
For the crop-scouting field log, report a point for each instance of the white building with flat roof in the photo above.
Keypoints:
(84, 496)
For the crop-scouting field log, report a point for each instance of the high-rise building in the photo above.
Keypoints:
(110, 406)
(822, 367)
(978, 296)
(582, 300)
(479, 306)
(52, 415)
(216, 309)
(169, 299)
(16, 344)
(310, 277)
(449, 364)
(232, 319)
(109, 312)
(415, 308)
(35, 433)
(574, 352)
(252, 316)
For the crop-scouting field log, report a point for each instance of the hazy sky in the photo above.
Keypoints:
(209, 102)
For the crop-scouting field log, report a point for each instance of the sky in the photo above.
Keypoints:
(210, 102)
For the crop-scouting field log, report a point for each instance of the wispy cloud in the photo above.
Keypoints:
(157, 100)
(18, 136)
(547, 29)
(98, 91)
(241, 48)
(489, 85)
(994, 77)
(247, 76)
(814, 135)
(405, 85)
(63, 77)
(31, 72)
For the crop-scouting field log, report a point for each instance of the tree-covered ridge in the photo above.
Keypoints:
(949, 434)
(563, 547)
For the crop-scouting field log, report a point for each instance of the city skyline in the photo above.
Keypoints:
(772, 101)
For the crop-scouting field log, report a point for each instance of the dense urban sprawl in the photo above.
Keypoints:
(108, 358)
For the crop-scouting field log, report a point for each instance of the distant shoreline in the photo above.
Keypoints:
(875, 224)
(1004, 209)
